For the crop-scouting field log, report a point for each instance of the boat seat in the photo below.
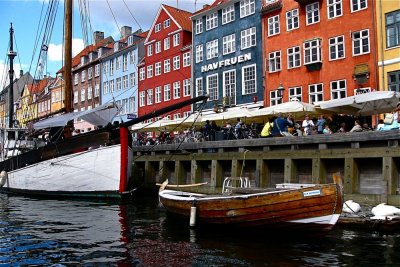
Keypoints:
(231, 183)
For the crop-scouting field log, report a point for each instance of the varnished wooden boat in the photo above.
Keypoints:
(313, 206)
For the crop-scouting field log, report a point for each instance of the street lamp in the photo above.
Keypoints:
(280, 90)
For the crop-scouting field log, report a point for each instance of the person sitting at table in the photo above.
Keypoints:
(280, 126)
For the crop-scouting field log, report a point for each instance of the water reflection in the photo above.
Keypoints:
(139, 233)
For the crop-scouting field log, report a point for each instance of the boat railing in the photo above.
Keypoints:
(234, 182)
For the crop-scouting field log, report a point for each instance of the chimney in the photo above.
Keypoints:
(126, 31)
(206, 5)
(98, 36)
(21, 73)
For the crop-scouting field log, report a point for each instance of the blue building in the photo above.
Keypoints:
(227, 53)
(119, 74)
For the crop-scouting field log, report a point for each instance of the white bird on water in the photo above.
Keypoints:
(383, 211)
(351, 207)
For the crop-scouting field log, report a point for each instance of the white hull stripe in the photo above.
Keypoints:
(328, 219)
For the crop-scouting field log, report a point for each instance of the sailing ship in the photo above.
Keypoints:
(93, 164)
(314, 207)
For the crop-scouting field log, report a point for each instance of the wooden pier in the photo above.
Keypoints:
(368, 161)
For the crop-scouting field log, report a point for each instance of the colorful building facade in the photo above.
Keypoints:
(318, 50)
(165, 71)
(119, 76)
(57, 93)
(227, 53)
(388, 44)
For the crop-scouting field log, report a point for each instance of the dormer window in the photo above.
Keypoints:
(130, 40)
(91, 56)
(100, 51)
(116, 47)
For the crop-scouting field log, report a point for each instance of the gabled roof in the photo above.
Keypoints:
(212, 6)
(180, 17)
(37, 87)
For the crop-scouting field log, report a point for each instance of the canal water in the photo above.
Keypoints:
(139, 233)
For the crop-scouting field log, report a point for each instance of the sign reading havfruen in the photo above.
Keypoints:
(226, 62)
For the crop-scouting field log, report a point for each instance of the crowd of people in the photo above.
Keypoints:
(275, 127)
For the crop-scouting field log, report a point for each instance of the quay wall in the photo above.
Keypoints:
(369, 163)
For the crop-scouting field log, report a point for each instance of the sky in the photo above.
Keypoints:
(105, 15)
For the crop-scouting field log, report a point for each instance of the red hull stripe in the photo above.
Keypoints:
(123, 134)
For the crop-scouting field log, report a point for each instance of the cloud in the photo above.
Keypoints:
(55, 52)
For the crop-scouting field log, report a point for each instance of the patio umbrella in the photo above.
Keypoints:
(297, 108)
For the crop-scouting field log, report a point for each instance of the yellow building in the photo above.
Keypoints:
(388, 44)
(57, 92)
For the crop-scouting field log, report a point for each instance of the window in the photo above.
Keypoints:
(132, 57)
(90, 73)
(198, 28)
(316, 93)
(176, 62)
(273, 25)
(360, 42)
(158, 27)
(177, 89)
(97, 90)
(111, 67)
(76, 97)
(150, 71)
(275, 99)
(393, 29)
(212, 87)
(89, 93)
(125, 106)
(149, 50)
(186, 59)
(125, 82)
(212, 49)
(142, 98)
(158, 94)
(211, 21)
(228, 14)
(167, 92)
(199, 87)
(105, 67)
(336, 48)
(292, 19)
(294, 55)
(249, 80)
(177, 116)
(248, 38)
(167, 66)
(118, 84)
(149, 96)
(357, 5)
(186, 87)
(158, 47)
(338, 89)
(312, 51)
(132, 104)
(132, 78)
(167, 22)
(199, 53)
(105, 89)
(295, 94)
(229, 86)
(394, 81)
(76, 78)
(83, 94)
(125, 62)
(97, 70)
(141, 74)
(247, 7)
(334, 8)
(118, 63)
(158, 68)
(111, 84)
(312, 13)
(166, 43)
(228, 43)
(274, 61)
(176, 39)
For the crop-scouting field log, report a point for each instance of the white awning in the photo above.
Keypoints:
(101, 115)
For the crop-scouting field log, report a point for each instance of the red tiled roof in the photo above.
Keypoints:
(208, 7)
(182, 17)
(39, 86)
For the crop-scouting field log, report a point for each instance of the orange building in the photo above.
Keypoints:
(318, 50)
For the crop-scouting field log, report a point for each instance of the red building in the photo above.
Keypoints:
(318, 50)
(164, 73)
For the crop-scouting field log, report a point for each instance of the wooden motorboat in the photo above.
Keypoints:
(314, 206)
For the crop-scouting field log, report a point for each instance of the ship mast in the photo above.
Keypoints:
(11, 54)
(68, 56)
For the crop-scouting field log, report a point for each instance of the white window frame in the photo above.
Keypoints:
(157, 28)
(149, 98)
(118, 63)
(167, 65)
(274, 61)
(186, 59)
(149, 71)
(142, 74)
(292, 19)
(97, 70)
(229, 44)
(359, 42)
(312, 48)
(199, 86)
(83, 76)
(186, 88)
(157, 69)
(142, 98)
(176, 62)
(158, 94)
(89, 92)
(229, 85)
(296, 93)
(228, 14)
(247, 8)
(158, 47)
(176, 39)
(198, 26)
(212, 49)
(312, 13)
(132, 79)
(149, 50)
(199, 53)
(248, 38)
(177, 89)
(167, 23)
(334, 8)
(90, 73)
(274, 98)
(212, 91)
(125, 83)
(245, 90)
(336, 48)
(167, 43)
(119, 83)
(97, 90)
(358, 5)
(294, 57)
(274, 27)
(340, 90)
(167, 92)
(83, 94)
(211, 21)
(315, 92)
